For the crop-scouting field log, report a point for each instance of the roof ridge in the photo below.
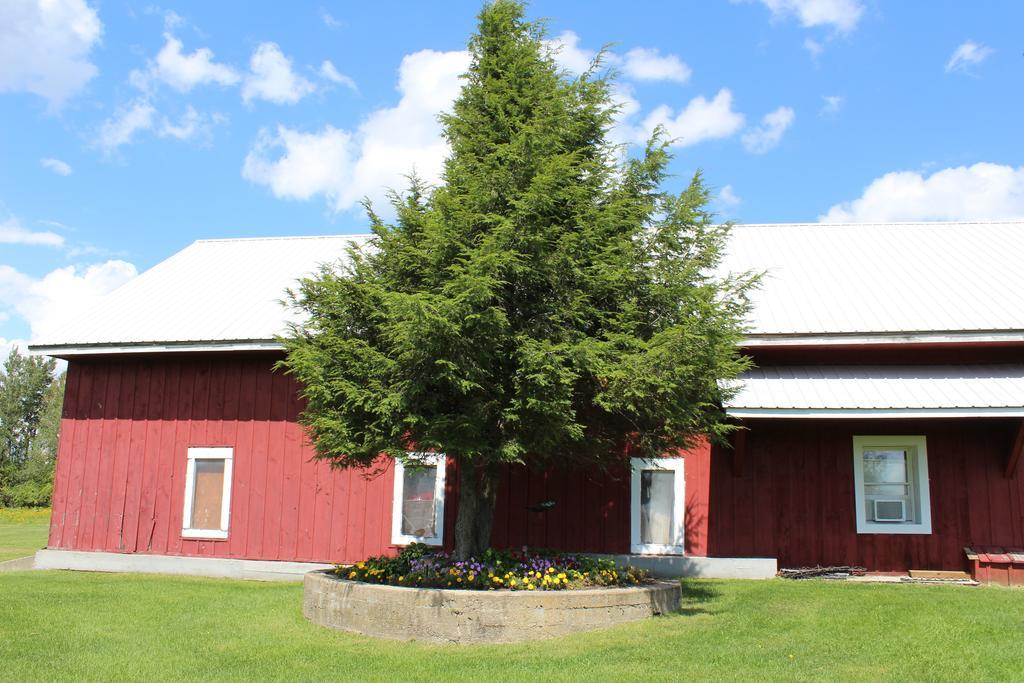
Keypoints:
(284, 237)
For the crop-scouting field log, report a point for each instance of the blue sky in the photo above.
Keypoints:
(131, 129)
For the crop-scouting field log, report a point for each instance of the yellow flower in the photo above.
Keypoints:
(351, 575)
(401, 578)
(471, 576)
(530, 586)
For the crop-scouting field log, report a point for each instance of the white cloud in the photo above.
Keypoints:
(329, 20)
(842, 15)
(7, 344)
(814, 47)
(832, 104)
(967, 55)
(647, 64)
(344, 166)
(329, 72)
(45, 46)
(272, 77)
(700, 120)
(982, 191)
(47, 303)
(120, 129)
(190, 125)
(727, 196)
(770, 131)
(309, 164)
(56, 165)
(12, 232)
(183, 71)
(566, 50)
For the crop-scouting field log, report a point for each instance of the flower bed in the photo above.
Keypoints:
(420, 566)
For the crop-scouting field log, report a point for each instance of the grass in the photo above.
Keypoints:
(104, 626)
(22, 531)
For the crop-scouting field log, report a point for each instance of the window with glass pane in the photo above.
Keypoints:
(207, 494)
(418, 516)
(657, 500)
(887, 485)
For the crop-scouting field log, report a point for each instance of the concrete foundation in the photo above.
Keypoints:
(702, 567)
(461, 616)
(259, 570)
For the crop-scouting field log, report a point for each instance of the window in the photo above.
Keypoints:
(418, 511)
(890, 478)
(207, 493)
(657, 506)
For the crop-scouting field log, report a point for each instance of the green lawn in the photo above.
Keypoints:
(55, 625)
(22, 531)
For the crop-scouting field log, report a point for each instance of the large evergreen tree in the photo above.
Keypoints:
(548, 303)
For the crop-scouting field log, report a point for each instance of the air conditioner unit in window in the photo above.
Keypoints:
(890, 510)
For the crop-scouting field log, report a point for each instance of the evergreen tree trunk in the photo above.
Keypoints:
(478, 492)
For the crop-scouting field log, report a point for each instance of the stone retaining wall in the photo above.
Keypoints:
(461, 616)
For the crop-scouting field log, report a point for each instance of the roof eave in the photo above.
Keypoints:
(233, 345)
(884, 338)
(872, 413)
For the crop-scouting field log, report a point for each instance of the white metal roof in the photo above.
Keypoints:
(823, 284)
(881, 391)
(226, 293)
(903, 279)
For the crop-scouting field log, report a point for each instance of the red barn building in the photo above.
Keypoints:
(883, 423)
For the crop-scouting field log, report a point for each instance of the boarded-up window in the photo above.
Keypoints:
(207, 493)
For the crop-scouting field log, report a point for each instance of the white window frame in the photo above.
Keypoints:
(207, 453)
(677, 547)
(397, 537)
(917, 448)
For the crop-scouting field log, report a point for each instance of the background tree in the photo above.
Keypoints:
(31, 399)
(548, 303)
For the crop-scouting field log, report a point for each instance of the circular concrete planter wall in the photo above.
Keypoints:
(461, 616)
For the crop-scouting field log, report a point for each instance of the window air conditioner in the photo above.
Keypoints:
(890, 510)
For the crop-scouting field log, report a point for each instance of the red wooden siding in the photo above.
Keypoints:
(128, 423)
(794, 498)
(125, 434)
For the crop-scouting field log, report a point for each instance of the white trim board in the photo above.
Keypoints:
(883, 338)
(217, 567)
(60, 350)
(878, 413)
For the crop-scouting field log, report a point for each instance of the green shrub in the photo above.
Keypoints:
(27, 494)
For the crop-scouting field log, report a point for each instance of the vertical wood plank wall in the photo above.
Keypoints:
(128, 423)
(794, 499)
(125, 433)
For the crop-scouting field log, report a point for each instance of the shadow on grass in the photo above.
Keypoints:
(698, 598)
